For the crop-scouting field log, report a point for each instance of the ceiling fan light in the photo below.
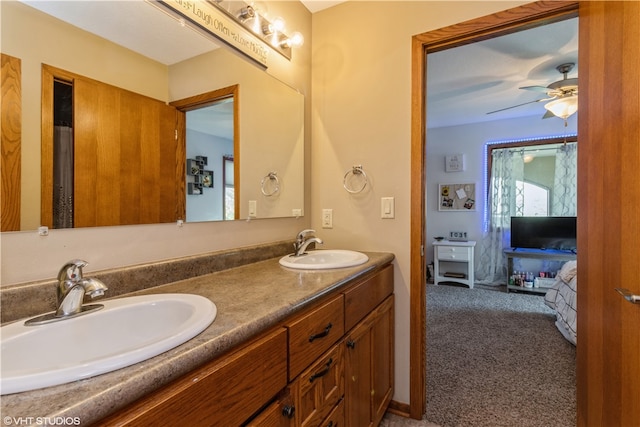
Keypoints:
(563, 107)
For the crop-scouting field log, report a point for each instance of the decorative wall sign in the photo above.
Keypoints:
(454, 163)
(218, 24)
(457, 197)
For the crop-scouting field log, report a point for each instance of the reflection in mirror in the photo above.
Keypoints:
(209, 145)
(271, 139)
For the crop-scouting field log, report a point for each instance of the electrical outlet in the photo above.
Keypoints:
(327, 218)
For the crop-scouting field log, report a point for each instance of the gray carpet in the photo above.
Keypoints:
(496, 359)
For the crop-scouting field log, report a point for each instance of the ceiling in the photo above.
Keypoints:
(463, 83)
(318, 5)
(467, 82)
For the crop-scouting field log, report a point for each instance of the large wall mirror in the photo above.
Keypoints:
(265, 143)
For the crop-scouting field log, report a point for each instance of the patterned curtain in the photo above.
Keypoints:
(565, 186)
(507, 166)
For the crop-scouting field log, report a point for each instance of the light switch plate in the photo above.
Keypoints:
(387, 208)
(253, 208)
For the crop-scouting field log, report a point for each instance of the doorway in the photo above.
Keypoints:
(506, 22)
(215, 115)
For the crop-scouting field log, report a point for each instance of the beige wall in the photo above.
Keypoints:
(361, 115)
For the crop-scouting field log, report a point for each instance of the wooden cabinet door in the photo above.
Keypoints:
(319, 388)
(369, 367)
(382, 348)
(358, 375)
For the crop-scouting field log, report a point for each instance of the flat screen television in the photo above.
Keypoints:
(543, 232)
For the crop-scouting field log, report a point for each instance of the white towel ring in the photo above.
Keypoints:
(355, 170)
(274, 183)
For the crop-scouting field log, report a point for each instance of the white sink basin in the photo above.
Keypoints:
(324, 259)
(126, 331)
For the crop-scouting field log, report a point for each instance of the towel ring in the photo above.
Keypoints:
(355, 170)
(275, 186)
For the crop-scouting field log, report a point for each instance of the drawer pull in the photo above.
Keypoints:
(330, 424)
(321, 334)
(351, 344)
(322, 373)
(288, 411)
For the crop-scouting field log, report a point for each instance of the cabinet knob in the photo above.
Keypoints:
(351, 344)
(288, 411)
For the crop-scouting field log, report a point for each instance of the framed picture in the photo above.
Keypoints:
(457, 197)
(454, 162)
(207, 179)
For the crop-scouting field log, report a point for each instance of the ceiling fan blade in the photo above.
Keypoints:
(519, 105)
(543, 89)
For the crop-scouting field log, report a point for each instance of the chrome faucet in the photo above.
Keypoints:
(72, 287)
(303, 240)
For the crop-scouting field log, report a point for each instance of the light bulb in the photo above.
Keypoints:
(296, 39)
(278, 24)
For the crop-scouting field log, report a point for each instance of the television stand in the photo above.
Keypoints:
(548, 254)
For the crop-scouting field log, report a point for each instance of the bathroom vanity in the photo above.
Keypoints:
(288, 347)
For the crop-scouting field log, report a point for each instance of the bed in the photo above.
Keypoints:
(561, 297)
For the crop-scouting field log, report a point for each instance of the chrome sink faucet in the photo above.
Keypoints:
(72, 287)
(303, 240)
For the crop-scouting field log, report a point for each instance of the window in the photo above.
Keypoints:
(534, 198)
(530, 178)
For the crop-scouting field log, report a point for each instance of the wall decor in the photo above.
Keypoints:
(197, 177)
(457, 197)
(454, 162)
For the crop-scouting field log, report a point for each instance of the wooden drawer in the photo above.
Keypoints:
(221, 393)
(279, 413)
(314, 333)
(453, 253)
(364, 297)
(319, 388)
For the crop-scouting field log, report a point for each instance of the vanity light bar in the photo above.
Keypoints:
(272, 32)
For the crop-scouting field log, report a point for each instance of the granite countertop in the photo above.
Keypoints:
(249, 299)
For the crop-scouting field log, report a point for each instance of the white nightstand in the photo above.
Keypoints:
(451, 259)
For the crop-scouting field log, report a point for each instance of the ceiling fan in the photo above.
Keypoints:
(561, 94)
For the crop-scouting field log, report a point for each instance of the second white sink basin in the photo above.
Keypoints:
(126, 331)
(324, 259)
